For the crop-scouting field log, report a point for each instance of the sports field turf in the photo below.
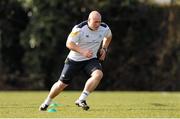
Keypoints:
(23, 104)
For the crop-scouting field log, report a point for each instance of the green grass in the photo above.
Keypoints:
(23, 104)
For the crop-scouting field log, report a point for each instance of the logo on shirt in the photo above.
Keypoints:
(73, 34)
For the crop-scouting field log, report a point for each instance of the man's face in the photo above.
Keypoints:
(94, 23)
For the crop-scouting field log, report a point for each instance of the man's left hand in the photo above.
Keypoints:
(102, 54)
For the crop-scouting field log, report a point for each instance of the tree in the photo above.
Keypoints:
(13, 21)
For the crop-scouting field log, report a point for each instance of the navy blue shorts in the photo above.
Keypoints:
(71, 68)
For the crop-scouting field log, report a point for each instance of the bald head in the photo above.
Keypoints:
(94, 20)
(95, 15)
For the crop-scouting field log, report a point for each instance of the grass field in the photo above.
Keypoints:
(23, 104)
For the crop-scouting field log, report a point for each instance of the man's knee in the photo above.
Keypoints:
(65, 79)
(97, 74)
(60, 84)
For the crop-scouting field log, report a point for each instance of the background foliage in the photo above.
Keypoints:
(144, 54)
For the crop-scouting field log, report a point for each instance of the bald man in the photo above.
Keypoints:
(85, 41)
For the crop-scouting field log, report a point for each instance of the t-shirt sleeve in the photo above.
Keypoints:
(74, 35)
(108, 32)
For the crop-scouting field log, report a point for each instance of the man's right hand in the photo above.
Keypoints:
(87, 53)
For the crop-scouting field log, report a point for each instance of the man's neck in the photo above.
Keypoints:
(90, 28)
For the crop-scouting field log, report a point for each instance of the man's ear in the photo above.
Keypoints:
(88, 19)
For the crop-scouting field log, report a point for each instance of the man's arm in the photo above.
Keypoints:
(74, 37)
(105, 44)
(72, 46)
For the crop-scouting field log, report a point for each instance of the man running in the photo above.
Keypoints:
(85, 41)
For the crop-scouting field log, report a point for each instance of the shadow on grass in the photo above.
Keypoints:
(159, 105)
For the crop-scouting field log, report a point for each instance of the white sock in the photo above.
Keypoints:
(48, 101)
(84, 95)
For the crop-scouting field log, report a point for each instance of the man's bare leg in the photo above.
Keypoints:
(93, 81)
(90, 86)
(57, 88)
